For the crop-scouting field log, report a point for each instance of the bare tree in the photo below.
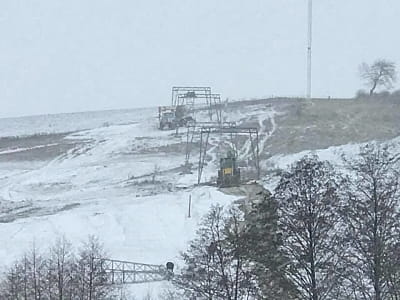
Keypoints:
(372, 217)
(36, 266)
(26, 279)
(13, 286)
(90, 278)
(60, 270)
(198, 279)
(380, 73)
(239, 273)
(309, 201)
(170, 293)
(58, 274)
(214, 261)
(392, 271)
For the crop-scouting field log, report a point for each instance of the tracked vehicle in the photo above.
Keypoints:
(229, 173)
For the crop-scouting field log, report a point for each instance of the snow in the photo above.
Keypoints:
(103, 187)
(107, 185)
(60, 123)
(332, 154)
(151, 229)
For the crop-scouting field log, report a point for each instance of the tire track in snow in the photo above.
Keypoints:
(267, 135)
(264, 134)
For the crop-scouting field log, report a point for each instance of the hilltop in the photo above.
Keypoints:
(115, 175)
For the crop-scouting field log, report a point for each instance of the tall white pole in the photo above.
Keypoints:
(309, 53)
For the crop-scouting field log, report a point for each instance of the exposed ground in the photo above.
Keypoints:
(122, 179)
(286, 126)
(38, 147)
(323, 123)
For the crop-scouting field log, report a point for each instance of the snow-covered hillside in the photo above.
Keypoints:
(121, 182)
(120, 178)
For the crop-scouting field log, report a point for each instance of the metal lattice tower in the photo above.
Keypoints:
(125, 272)
(205, 129)
(192, 96)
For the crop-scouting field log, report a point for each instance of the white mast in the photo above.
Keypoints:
(309, 45)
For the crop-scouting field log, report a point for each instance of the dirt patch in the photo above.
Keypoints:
(40, 147)
(324, 123)
(170, 148)
(30, 141)
(12, 211)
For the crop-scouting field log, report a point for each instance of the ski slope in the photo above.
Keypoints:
(122, 181)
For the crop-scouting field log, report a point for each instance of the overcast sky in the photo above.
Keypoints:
(78, 55)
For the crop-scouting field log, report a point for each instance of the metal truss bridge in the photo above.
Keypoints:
(125, 272)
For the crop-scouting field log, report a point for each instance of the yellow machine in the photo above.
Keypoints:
(229, 173)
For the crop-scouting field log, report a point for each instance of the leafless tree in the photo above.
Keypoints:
(58, 274)
(372, 218)
(380, 73)
(214, 262)
(26, 279)
(13, 284)
(36, 265)
(60, 270)
(309, 202)
(90, 278)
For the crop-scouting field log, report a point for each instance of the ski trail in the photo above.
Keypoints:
(264, 134)
(263, 130)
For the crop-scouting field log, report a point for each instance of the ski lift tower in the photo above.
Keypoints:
(232, 133)
(192, 97)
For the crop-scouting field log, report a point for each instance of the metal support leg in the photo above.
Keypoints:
(203, 157)
(201, 152)
(258, 156)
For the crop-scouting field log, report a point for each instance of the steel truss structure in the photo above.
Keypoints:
(190, 96)
(194, 129)
(125, 272)
(205, 129)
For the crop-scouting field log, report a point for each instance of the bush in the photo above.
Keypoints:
(361, 94)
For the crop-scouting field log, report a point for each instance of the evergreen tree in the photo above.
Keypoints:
(264, 249)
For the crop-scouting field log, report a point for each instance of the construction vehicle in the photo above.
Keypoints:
(166, 117)
(229, 173)
(171, 117)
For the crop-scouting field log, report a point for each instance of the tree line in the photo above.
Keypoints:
(320, 235)
(60, 273)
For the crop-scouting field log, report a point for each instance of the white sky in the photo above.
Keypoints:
(77, 55)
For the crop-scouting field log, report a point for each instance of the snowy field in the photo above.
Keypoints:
(122, 183)
(70, 122)
(120, 180)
